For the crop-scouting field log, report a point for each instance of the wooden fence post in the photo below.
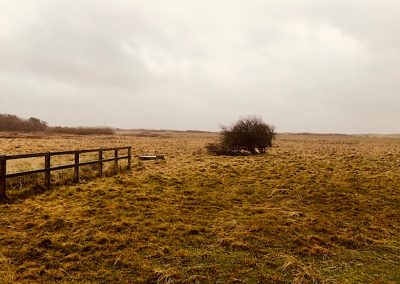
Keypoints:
(76, 172)
(129, 157)
(116, 162)
(3, 180)
(101, 163)
(47, 168)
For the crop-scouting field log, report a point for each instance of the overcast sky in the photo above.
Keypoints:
(302, 65)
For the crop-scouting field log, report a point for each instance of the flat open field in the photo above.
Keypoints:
(313, 209)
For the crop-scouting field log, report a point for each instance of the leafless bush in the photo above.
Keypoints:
(250, 134)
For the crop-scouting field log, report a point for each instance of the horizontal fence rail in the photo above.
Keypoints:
(48, 168)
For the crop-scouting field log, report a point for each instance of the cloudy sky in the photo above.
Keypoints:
(303, 65)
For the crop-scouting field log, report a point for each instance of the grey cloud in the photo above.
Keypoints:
(304, 65)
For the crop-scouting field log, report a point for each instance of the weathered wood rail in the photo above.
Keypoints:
(48, 168)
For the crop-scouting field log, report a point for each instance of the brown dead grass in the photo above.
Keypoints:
(314, 209)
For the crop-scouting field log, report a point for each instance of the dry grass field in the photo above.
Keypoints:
(313, 209)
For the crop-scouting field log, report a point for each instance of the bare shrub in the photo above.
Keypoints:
(250, 134)
(219, 149)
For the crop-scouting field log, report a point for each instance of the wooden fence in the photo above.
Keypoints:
(48, 168)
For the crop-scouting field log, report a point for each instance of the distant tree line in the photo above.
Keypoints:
(10, 122)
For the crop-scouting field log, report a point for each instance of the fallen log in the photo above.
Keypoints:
(151, 157)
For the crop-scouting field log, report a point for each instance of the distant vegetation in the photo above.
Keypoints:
(9, 122)
(81, 130)
(250, 134)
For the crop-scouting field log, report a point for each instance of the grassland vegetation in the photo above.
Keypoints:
(313, 209)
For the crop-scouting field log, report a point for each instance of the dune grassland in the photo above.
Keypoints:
(313, 209)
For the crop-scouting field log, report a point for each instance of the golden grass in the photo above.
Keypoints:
(314, 209)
